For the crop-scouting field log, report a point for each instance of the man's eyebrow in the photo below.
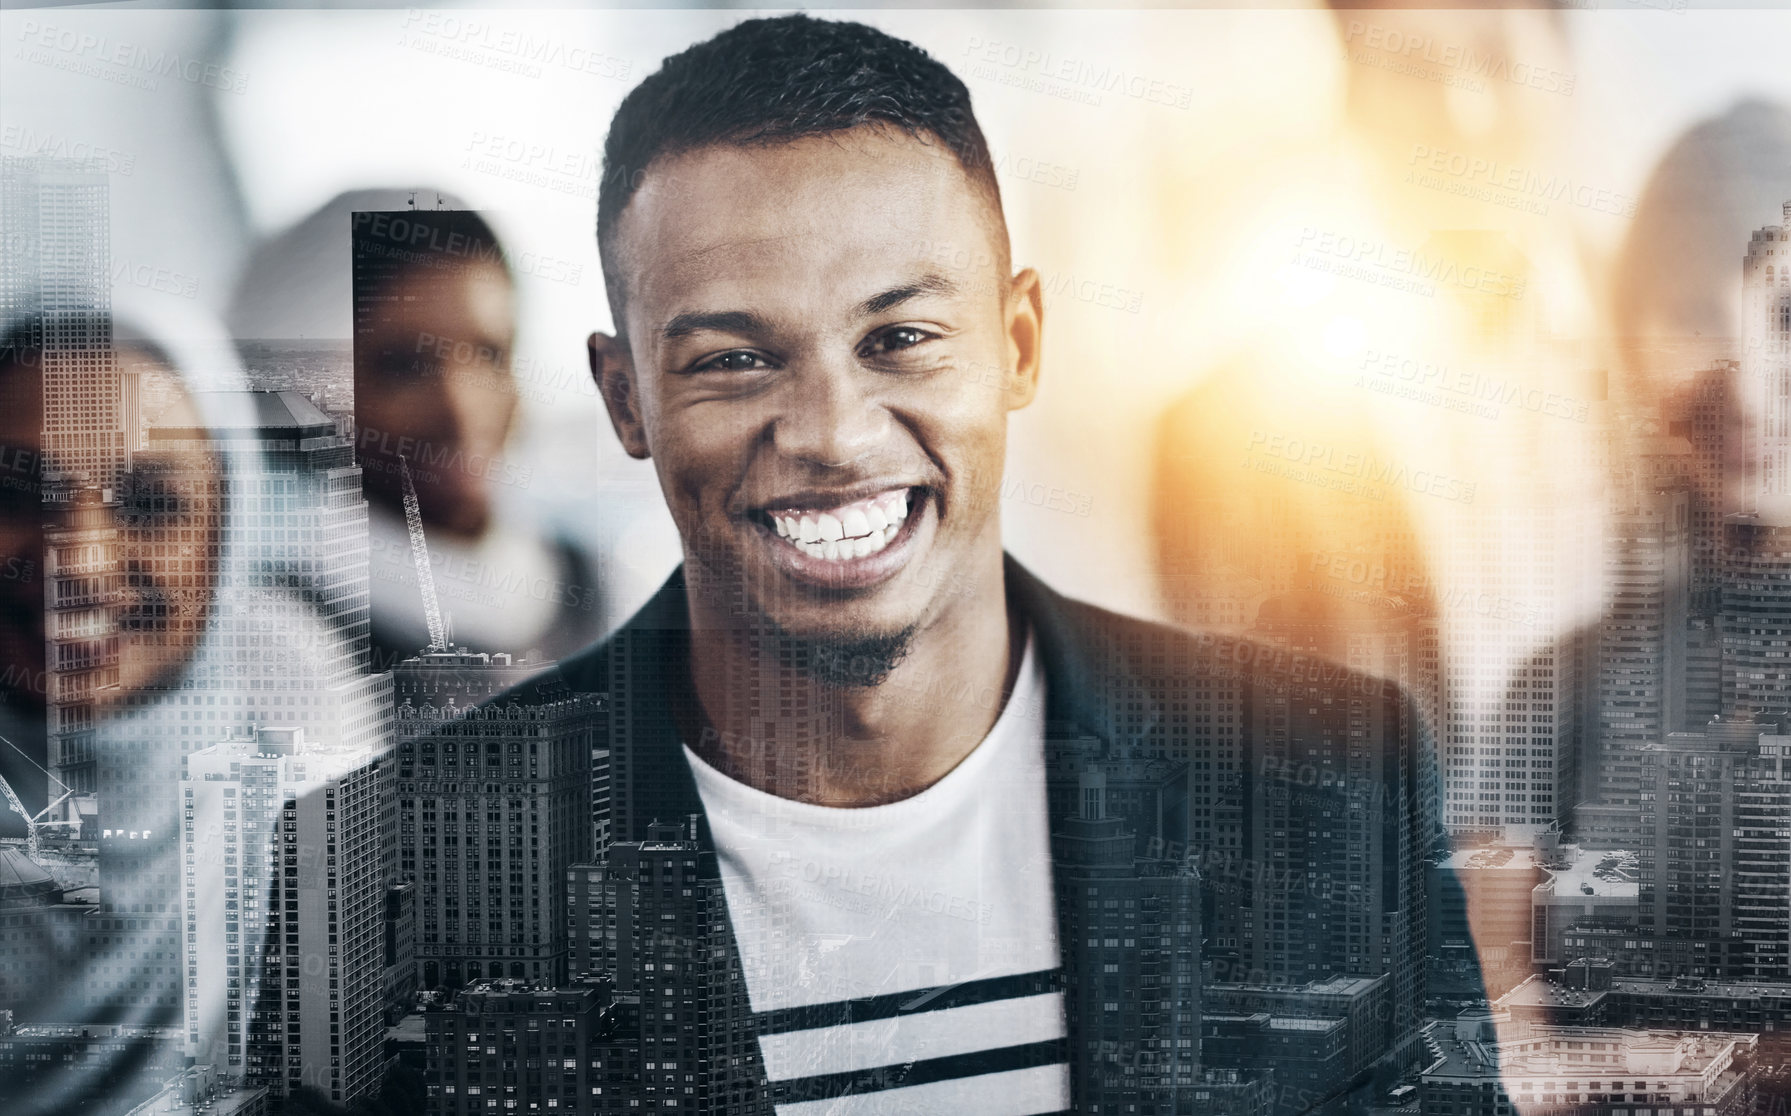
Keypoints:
(713, 321)
(931, 283)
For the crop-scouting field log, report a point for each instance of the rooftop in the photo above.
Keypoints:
(1682, 1059)
(1497, 856)
(1541, 992)
(1606, 874)
(280, 413)
(199, 1092)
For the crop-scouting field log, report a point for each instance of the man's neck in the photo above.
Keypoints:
(779, 729)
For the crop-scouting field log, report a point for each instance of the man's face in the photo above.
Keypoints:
(822, 343)
(438, 390)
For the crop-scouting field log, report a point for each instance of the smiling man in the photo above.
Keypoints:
(880, 746)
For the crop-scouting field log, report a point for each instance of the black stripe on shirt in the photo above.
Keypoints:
(892, 1004)
(826, 1086)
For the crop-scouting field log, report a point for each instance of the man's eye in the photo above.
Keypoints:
(894, 340)
(736, 361)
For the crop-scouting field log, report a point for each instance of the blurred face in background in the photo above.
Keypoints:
(162, 533)
(171, 520)
(435, 388)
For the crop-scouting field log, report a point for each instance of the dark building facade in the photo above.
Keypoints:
(1339, 816)
(1715, 855)
(494, 802)
(1141, 918)
(654, 915)
(510, 1045)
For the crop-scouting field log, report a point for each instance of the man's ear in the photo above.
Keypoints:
(1025, 337)
(612, 367)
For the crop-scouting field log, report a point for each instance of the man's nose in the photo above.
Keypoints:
(832, 417)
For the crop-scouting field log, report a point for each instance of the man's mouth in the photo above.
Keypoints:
(845, 532)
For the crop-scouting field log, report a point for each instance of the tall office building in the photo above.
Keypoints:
(1138, 1009)
(654, 915)
(1314, 1039)
(494, 802)
(1756, 616)
(1701, 412)
(289, 646)
(1338, 811)
(56, 297)
(81, 581)
(282, 902)
(1202, 726)
(1516, 672)
(1756, 621)
(56, 283)
(1703, 670)
(1642, 666)
(516, 1045)
(1766, 355)
(1715, 856)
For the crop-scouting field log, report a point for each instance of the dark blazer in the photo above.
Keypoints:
(1114, 686)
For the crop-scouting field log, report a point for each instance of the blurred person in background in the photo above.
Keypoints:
(1675, 289)
(1304, 445)
(159, 629)
(1400, 471)
(434, 392)
(147, 623)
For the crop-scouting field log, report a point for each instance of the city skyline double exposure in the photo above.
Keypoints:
(1195, 563)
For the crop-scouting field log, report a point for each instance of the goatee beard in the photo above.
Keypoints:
(844, 660)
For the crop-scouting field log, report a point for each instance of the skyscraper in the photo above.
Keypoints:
(56, 297)
(1701, 412)
(654, 914)
(1756, 616)
(1715, 855)
(56, 283)
(81, 582)
(1766, 354)
(1338, 810)
(1756, 622)
(1642, 636)
(1140, 1014)
(515, 1043)
(1515, 676)
(288, 645)
(495, 804)
(283, 912)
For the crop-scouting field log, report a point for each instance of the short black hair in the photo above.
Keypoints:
(768, 81)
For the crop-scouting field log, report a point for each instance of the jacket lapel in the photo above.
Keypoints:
(1082, 683)
(644, 668)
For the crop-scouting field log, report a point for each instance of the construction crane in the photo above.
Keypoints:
(12, 800)
(419, 552)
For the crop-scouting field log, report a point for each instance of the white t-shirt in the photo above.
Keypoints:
(903, 958)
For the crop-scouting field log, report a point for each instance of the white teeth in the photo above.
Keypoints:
(847, 549)
(858, 531)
